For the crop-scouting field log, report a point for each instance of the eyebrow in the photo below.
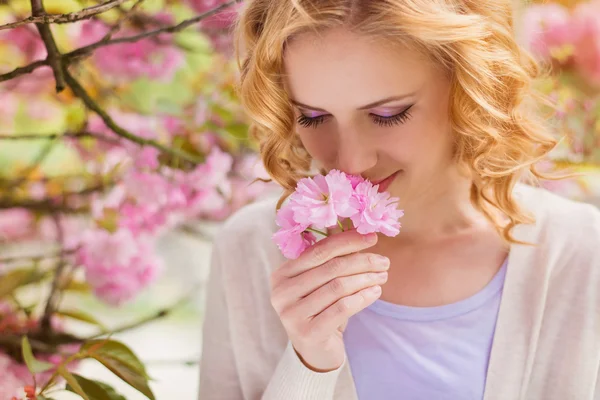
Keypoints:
(365, 107)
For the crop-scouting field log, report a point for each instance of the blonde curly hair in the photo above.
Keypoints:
(499, 133)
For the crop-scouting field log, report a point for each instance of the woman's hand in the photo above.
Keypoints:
(315, 295)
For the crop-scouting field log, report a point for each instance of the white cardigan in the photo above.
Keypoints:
(547, 339)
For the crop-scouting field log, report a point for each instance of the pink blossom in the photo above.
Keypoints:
(100, 247)
(173, 125)
(126, 61)
(546, 27)
(292, 239)
(377, 212)
(8, 109)
(116, 283)
(586, 19)
(355, 180)
(72, 227)
(10, 385)
(147, 157)
(221, 20)
(27, 40)
(147, 188)
(215, 170)
(320, 200)
(129, 264)
(15, 224)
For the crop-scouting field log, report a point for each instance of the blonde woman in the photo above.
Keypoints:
(492, 289)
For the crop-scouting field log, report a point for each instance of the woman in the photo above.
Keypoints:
(492, 289)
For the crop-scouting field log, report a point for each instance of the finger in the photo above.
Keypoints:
(309, 281)
(336, 289)
(339, 312)
(333, 246)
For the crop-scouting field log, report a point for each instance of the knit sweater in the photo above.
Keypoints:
(547, 339)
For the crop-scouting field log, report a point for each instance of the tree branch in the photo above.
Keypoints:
(15, 73)
(85, 51)
(39, 257)
(66, 18)
(54, 57)
(44, 206)
(35, 164)
(157, 315)
(80, 92)
(168, 29)
(76, 135)
(51, 303)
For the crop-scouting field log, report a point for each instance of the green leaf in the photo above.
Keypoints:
(35, 366)
(126, 373)
(121, 361)
(78, 287)
(96, 390)
(81, 316)
(75, 386)
(114, 349)
(14, 279)
(240, 131)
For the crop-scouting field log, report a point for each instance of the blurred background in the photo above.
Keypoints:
(122, 149)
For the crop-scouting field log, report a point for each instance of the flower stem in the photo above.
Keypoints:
(317, 231)
(340, 225)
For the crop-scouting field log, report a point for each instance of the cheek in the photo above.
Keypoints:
(321, 145)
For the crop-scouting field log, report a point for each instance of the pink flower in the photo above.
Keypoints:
(355, 180)
(292, 239)
(320, 200)
(546, 27)
(586, 19)
(129, 264)
(116, 284)
(101, 247)
(15, 224)
(27, 40)
(147, 157)
(126, 61)
(377, 212)
(10, 385)
(221, 20)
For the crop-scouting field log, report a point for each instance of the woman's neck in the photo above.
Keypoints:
(439, 211)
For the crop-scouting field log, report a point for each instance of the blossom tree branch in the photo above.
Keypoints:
(51, 303)
(66, 18)
(85, 51)
(70, 135)
(80, 92)
(54, 57)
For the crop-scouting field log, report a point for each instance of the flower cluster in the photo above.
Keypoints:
(15, 375)
(153, 59)
(328, 201)
(568, 36)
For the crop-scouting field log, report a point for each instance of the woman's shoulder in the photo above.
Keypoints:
(560, 211)
(561, 221)
(248, 232)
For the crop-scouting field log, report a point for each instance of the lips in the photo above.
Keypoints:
(385, 183)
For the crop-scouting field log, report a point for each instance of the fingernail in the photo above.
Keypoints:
(374, 290)
(382, 276)
(381, 261)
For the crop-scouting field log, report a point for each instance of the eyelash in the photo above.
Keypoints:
(397, 119)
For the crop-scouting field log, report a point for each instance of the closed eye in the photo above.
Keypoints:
(386, 121)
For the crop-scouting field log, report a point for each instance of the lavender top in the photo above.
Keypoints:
(400, 352)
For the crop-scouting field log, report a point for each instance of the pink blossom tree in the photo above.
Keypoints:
(117, 122)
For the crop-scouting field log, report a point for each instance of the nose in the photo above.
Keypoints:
(356, 154)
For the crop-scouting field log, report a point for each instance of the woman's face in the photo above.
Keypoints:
(372, 109)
